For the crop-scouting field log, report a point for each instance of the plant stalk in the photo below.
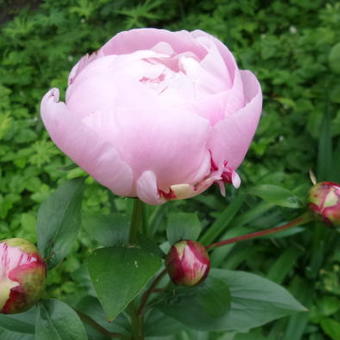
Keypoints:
(137, 219)
(149, 291)
(297, 221)
(98, 327)
(136, 226)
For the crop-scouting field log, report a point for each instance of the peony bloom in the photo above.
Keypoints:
(22, 275)
(324, 201)
(156, 114)
(188, 263)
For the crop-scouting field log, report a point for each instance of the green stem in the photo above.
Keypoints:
(298, 221)
(137, 219)
(98, 327)
(148, 292)
(136, 226)
(137, 322)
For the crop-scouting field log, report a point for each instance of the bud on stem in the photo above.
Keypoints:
(188, 263)
(22, 275)
(324, 201)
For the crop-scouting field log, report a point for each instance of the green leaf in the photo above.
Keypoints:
(334, 58)
(57, 321)
(19, 323)
(276, 195)
(59, 222)
(255, 301)
(199, 307)
(7, 335)
(283, 265)
(325, 151)
(157, 324)
(119, 274)
(183, 226)
(108, 230)
(331, 328)
(222, 222)
(91, 307)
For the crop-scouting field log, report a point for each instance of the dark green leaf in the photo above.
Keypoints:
(91, 307)
(325, 148)
(59, 221)
(200, 307)
(255, 301)
(222, 222)
(119, 274)
(276, 195)
(8, 335)
(183, 226)
(283, 265)
(57, 321)
(108, 230)
(334, 58)
(158, 324)
(17, 323)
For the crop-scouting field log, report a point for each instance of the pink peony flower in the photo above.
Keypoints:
(156, 114)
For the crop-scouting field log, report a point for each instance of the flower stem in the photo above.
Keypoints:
(297, 221)
(98, 327)
(137, 218)
(137, 322)
(148, 292)
(136, 225)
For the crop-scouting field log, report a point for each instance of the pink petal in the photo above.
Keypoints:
(146, 38)
(170, 142)
(230, 138)
(147, 188)
(86, 148)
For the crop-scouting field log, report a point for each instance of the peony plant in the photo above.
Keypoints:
(156, 116)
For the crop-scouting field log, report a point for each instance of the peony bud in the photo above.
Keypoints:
(324, 200)
(22, 275)
(188, 263)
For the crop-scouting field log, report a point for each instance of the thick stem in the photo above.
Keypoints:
(149, 291)
(137, 322)
(298, 221)
(136, 225)
(137, 218)
(98, 327)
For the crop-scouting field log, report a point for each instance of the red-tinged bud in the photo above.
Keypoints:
(324, 200)
(22, 275)
(188, 263)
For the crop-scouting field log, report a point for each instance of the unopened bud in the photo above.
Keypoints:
(324, 200)
(22, 275)
(188, 263)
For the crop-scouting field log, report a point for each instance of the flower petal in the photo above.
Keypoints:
(86, 148)
(230, 138)
(146, 38)
(147, 189)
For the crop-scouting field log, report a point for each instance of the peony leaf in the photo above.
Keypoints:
(57, 321)
(119, 274)
(183, 226)
(59, 221)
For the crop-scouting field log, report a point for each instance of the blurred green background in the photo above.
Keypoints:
(290, 47)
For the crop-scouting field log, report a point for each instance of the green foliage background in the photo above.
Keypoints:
(286, 43)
